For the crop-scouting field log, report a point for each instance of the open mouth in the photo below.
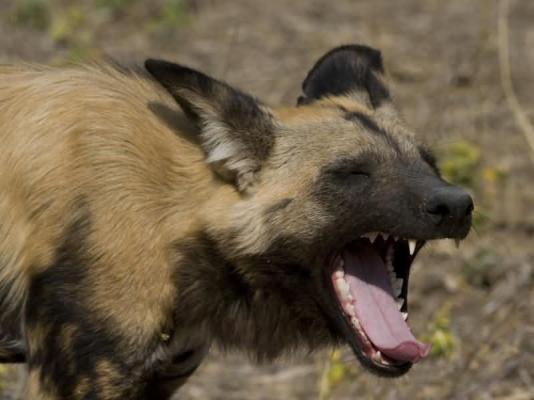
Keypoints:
(370, 281)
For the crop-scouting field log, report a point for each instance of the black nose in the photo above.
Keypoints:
(451, 207)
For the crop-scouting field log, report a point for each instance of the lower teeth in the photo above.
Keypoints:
(377, 357)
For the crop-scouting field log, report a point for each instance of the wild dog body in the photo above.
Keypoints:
(74, 144)
(134, 232)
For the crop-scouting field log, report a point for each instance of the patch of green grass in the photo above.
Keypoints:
(34, 14)
(441, 337)
(67, 25)
(460, 163)
(334, 373)
(4, 369)
(173, 12)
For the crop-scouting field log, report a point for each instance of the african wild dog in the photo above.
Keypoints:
(134, 233)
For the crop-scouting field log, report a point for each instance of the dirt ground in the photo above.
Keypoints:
(475, 303)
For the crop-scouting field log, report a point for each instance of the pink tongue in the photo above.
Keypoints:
(376, 308)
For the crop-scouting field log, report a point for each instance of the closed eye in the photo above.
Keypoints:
(357, 177)
(352, 173)
(360, 173)
(349, 171)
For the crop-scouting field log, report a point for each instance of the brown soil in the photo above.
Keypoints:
(442, 57)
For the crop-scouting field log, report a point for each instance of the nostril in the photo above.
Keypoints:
(441, 210)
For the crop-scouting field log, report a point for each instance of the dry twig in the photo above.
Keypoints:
(506, 76)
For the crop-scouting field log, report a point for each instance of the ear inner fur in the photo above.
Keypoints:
(237, 131)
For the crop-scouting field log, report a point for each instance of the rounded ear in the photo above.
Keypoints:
(345, 71)
(236, 130)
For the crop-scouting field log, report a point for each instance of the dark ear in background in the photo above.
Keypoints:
(236, 131)
(352, 70)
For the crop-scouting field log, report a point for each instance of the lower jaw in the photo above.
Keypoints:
(365, 351)
(369, 355)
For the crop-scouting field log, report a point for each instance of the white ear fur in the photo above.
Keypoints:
(236, 131)
(227, 155)
(231, 146)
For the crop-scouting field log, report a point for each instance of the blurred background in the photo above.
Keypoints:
(463, 77)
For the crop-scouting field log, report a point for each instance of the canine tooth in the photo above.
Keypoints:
(349, 308)
(411, 244)
(457, 243)
(400, 303)
(405, 315)
(343, 288)
(377, 357)
(339, 274)
(372, 236)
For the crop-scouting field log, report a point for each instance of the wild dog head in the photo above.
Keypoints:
(335, 198)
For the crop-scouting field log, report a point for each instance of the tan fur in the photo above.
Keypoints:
(35, 389)
(107, 379)
(82, 388)
(46, 164)
(67, 335)
(36, 336)
(124, 161)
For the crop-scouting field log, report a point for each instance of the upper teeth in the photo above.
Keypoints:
(373, 236)
(411, 245)
(343, 287)
(339, 274)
